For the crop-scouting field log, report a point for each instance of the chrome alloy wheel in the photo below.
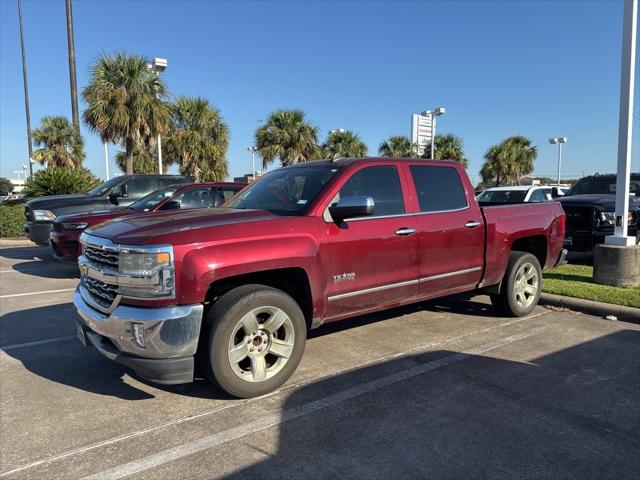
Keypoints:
(261, 344)
(526, 285)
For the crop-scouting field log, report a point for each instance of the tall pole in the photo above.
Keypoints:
(433, 133)
(26, 89)
(106, 159)
(625, 131)
(72, 67)
(159, 155)
(559, 160)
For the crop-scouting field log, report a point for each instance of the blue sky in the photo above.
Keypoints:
(540, 69)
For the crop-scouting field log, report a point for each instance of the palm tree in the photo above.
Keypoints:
(398, 146)
(62, 145)
(343, 143)
(198, 139)
(145, 160)
(124, 101)
(509, 160)
(447, 147)
(287, 136)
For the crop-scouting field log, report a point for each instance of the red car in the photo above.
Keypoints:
(234, 291)
(68, 228)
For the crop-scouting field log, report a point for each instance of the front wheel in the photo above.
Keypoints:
(253, 340)
(521, 285)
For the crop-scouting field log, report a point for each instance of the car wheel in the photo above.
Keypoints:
(521, 285)
(253, 340)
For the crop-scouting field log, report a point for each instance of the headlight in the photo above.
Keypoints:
(632, 218)
(143, 264)
(146, 274)
(43, 215)
(74, 226)
(609, 218)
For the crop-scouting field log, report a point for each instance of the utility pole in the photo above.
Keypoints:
(26, 89)
(72, 67)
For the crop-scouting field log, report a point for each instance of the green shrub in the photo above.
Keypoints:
(6, 186)
(60, 181)
(11, 219)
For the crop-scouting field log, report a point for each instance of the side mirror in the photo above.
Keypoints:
(118, 192)
(556, 192)
(171, 205)
(351, 207)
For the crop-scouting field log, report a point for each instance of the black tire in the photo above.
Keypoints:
(219, 325)
(507, 301)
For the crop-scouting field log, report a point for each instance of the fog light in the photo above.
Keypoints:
(138, 334)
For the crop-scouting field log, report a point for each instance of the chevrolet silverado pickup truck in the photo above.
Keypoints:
(64, 239)
(115, 193)
(230, 293)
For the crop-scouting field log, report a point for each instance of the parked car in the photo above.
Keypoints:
(234, 290)
(590, 209)
(117, 192)
(64, 239)
(515, 194)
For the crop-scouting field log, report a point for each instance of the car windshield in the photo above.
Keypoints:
(147, 203)
(288, 191)
(602, 186)
(103, 188)
(502, 196)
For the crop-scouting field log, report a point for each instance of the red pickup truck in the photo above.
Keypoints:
(231, 292)
(65, 235)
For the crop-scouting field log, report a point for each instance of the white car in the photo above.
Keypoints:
(517, 194)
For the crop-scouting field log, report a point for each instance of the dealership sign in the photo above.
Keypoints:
(421, 131)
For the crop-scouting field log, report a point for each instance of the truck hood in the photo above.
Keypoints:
(95, 217)
(604, 201)
(143, 228)
(50, 202)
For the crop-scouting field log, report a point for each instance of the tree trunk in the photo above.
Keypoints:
(129, 154)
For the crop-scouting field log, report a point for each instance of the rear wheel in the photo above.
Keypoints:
(521, 285)
(253, 340)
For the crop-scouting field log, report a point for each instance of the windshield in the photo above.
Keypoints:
(502, 196)
(287, 191)
(602, 186)
(154, 198)
(103, 188)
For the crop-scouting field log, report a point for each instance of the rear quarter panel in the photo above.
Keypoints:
(506, 224)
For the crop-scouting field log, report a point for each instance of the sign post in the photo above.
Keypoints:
(625, 125)
(422, 132)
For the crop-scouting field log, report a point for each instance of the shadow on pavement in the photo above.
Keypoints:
(39, 263)
(570, 414)
(26, 253)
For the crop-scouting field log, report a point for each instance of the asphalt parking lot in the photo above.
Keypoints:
(444, 389)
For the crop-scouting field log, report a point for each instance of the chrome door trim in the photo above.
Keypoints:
(355, 293)
(405, 231)
(371, 290)
(449, 274)
(472, 224)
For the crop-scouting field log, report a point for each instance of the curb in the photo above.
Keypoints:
(16, 242)
(591, 307)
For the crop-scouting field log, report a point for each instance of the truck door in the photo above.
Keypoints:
(370, 261)
(451, 231)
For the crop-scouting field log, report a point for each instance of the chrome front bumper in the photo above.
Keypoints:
(169, 332)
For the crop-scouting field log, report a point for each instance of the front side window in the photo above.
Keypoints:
(146, 204)
(204, 197)
(380, 183)
(287, 191)
(439, 189)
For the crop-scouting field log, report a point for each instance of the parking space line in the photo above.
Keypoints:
(14, 346)
(205, 443)
(13, 295)
(284, 389)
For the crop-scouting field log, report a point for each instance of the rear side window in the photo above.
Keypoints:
(439, 188)
(380, 183)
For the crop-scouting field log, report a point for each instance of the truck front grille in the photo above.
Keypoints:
(98, 256)
(578, 218)
(103, 293)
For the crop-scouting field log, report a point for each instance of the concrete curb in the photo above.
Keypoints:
(16, 242)
(625, 314)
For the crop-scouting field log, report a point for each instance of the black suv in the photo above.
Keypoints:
(589, 207)
(117, 192)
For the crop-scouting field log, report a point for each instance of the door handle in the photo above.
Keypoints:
(472, 224)
(405, 231)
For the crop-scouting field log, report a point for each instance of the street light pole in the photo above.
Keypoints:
(106, 159)
(26, 90)
(159, 65)
(72, 67)
(253, 162)
(559, 141)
